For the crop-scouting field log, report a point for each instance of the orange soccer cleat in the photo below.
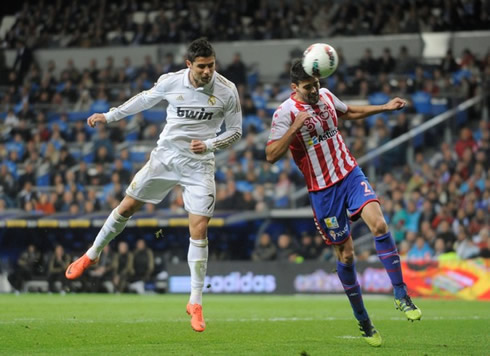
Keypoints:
(197, 320)
(76, 269)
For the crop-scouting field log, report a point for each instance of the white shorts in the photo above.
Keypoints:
(166, 169)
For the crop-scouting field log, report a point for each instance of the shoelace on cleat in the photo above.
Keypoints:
(407, 303)
(366, 328)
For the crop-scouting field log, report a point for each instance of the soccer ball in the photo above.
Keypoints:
(320, 60)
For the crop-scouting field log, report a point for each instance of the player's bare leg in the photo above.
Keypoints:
(115, 223)
(347, 274)
(388, 255)
(197, 259)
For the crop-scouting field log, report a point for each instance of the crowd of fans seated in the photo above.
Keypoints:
(101, 23)
(52, 163)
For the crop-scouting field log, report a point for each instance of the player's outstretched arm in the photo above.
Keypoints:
(95, 118)
(357, 112)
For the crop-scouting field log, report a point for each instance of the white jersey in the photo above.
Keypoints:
(192, 113)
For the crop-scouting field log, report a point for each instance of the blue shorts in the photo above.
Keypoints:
(335, 205)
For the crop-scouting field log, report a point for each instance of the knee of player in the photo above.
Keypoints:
(347, 257)
(380, 227)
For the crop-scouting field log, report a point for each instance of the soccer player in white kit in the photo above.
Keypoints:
(199, 100)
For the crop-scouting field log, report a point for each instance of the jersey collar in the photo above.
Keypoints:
(296, 100)
(207, 88)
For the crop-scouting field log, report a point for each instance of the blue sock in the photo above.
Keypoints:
(348, 277)
(388, 255)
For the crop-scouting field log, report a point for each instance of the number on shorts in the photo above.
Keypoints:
(212, 201)
(366, 188)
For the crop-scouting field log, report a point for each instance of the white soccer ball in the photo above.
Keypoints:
(320, 60)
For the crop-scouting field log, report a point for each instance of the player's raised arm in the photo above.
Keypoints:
(140, 102)
(357, 112)
(278, 148)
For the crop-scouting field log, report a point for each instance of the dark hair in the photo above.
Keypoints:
(200, 48)
(297, 72)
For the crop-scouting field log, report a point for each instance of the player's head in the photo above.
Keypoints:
(201, 60)
(306, 87)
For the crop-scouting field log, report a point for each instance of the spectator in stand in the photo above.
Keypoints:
(56, 269)
(465, 141)
(45, 205)
(386, 62)
(29, 264)
(265, 250)
(368, 63)
(464, 247)
(445, 233)
(420, 251)
(124, 267)
(483, 242)
(286, 250)
(143, 262)
(308, 250)
(236, 72)
(448, 63)
(439, 248)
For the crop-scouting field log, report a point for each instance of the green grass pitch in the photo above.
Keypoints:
(86, 324)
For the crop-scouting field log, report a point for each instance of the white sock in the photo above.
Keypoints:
(112, 227)
(197, 258)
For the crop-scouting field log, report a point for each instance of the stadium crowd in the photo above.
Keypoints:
(51, 163)
(93, 23)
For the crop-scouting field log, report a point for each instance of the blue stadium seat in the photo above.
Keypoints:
(100, 106)
(378, 98)
(89, 157)
(78, 115)
(52, 116)
(422, 102)
(137, 156)
(44, 180)
(154, 116)
(439, 106)
(460, 74)
(244, 186)
(132, 136)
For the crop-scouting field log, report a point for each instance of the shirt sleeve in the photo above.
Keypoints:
(340, 106)
(281, 122)
(233, 122)
(140, 102)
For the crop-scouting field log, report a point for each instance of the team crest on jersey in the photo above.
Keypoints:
(332, 234)
(212, 100)
(331, 222)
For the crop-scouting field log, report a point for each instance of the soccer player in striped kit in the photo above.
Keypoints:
(306, 123)
(199, 100)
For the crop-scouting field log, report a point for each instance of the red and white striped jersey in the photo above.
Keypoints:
(318, 148)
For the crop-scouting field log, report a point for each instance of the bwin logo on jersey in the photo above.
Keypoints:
(191, 114)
